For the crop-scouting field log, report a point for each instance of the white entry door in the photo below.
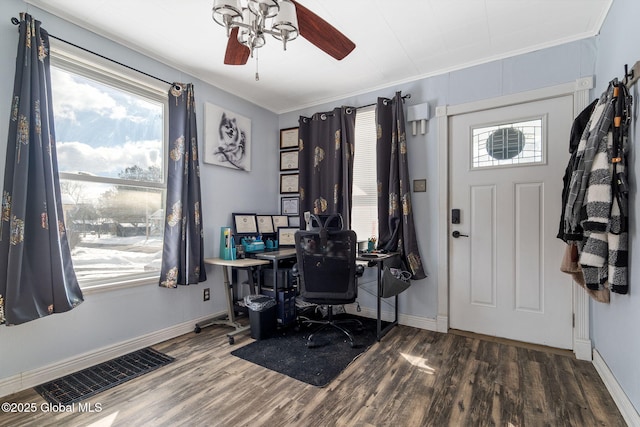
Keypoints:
(506, 169)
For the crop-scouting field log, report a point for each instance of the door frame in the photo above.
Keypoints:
(580, 91)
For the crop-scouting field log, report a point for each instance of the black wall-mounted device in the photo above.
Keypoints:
(455, 216)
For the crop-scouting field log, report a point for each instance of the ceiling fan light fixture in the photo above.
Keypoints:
(285, 24)
(244, 31)
(226, 13)
(249, 33)
(264, 8)
(247, 22)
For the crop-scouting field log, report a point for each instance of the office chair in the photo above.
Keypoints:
(327, 272)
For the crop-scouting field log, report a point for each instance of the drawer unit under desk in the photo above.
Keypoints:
(285, 278)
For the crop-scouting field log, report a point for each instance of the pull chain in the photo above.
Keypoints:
(257, 75)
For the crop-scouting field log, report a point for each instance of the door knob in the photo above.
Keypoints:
(457, 234)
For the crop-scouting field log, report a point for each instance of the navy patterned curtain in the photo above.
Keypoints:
(36, 272)
(396, 230)
(183, 250)
(326, 163)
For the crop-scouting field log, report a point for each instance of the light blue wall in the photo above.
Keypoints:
(616, 326)
(615, 330)
(108, 318)
(113, 317)
(535, 70)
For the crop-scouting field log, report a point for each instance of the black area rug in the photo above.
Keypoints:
(88, 382)
(287, 351)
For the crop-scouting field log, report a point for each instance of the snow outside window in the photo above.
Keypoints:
(110, 138)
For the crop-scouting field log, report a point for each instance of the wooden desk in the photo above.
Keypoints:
(377, 261)
(230, 320)
(276, 255)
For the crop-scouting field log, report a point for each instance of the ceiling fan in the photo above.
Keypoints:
(246, 28)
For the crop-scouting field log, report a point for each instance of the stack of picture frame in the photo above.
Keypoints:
(276, 227)
(289, 174)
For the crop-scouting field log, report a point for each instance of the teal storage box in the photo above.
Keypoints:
(227, 249)
(252, 246)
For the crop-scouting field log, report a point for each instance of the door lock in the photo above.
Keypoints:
(455, 216)
(457, 234)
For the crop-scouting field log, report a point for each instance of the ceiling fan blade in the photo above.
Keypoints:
(237, 53)
(322, 34)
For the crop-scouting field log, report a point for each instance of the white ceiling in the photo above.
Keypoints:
(396, 41)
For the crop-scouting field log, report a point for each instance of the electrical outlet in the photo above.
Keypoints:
(206, 294)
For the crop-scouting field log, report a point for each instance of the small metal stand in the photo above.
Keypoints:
(377, 261)
(230, 319)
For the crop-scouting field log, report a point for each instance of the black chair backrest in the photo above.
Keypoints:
(327, 265)
(330, 222)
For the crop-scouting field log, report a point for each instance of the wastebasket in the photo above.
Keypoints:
(262, 316)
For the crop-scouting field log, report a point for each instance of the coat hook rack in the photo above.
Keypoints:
(631, 76)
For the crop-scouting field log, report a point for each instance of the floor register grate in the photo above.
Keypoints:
(91, 381)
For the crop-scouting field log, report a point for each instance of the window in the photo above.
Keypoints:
(364, 208)
(110, 138)
(508, 144)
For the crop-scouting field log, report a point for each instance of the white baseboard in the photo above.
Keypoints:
(625, 406)
(59, 369)
(442, 323)
(582, 350)
(388, 315)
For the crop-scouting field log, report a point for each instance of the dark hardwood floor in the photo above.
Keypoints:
(412, 377)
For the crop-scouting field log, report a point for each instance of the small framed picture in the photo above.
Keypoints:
(294, 221)
(289, 138)
(265, 224)
(290, 206)
(287, 236)
(288, 160)
(419, 185)
(289, 183)
(245, 224)
(280, 221)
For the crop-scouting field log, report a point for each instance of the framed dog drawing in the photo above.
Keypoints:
(227, 138)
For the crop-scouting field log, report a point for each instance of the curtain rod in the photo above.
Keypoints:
(323, 116)
(404, 97)
(16, 21)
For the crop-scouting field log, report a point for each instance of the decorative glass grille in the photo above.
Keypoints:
(508, 144)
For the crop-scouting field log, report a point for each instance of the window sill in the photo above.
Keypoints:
(112, 286)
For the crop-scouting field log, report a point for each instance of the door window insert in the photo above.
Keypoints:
(508, 144)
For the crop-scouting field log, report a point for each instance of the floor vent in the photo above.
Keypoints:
(91, 381)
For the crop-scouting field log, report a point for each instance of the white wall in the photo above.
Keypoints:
(616, 326)
(113, 317)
